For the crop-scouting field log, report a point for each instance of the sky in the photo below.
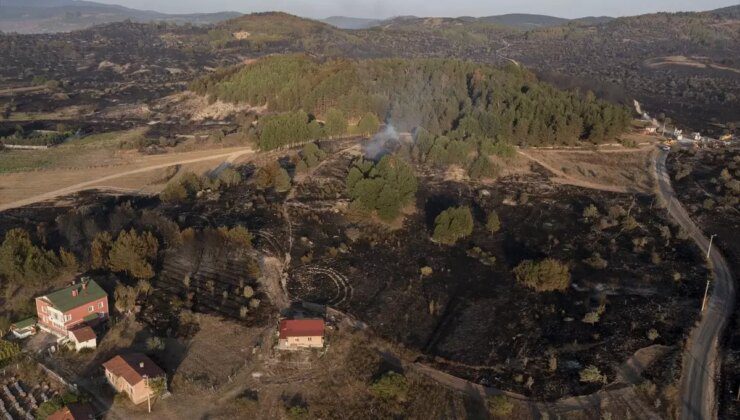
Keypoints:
(390, 8)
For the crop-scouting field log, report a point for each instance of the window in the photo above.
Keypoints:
(309, 338)
(100, 305)
(90, 308)
(43, 308)
(67, 318)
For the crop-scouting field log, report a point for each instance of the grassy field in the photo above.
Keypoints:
(90, 151)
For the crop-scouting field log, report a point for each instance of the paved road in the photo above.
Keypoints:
(698, 396)
(230, 157)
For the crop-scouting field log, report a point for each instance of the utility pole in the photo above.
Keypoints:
(148, 394)
(710, 245)
(704, 301)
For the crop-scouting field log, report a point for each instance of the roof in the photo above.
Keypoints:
(26, 323)
(301, 328)
(73, 412)
(83, 334)
(64, 299)
(129, 367)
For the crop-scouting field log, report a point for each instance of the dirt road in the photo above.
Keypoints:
(564, 178)
(229, 157)
(698, 396)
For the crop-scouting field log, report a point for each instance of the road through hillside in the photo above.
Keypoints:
(229, 157)
(698, 396)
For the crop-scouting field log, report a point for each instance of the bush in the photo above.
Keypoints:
(8, 352)
(297, 412)
(369, 124)
(483, 168)
(592, 374)
(173, 192)
(493, 223)
(311, 155)
(499, 405)
(391, 386)
(543, 276)
(453, 224)
(273, 176)
(230, 177)
(591, 318)
(155, 344)
(595, 261)
(653, 334)
(238, 236)
(591, 212)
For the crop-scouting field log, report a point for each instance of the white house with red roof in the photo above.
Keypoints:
(297, 334)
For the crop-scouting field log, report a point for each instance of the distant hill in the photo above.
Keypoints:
(50, 16)
(343, 22)
(516, 20)
(524, 21)
(593, 20)
(731, 12)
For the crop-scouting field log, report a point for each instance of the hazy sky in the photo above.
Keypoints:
(389, 8)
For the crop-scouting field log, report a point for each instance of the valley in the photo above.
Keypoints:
(471, 208)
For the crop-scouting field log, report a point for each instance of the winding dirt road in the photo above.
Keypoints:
(698, 395)
(229, 157)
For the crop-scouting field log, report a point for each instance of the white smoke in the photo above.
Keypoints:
(375, 147)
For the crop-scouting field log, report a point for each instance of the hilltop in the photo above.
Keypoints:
(49, 16)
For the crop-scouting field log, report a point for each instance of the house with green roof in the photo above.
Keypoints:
(81, 304)
(24, 328)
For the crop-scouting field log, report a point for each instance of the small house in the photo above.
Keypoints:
(24, 328)
(131, 374)
(77, 411)
(295, 334)
(83, 303)
(83, 338)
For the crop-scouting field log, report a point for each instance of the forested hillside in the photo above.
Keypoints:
(442, 96)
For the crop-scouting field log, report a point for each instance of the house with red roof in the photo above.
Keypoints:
(83, 338)
(133, 374)
(296, 334)
(83, 303)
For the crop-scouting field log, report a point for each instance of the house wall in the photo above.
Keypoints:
(137, 393)
(89, 344)
(302, 342)
(60, 323)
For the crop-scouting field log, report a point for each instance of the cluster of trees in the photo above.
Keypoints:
(273, 176)
(459, 147)
(23, 261)
(384, 187)
(36, 138)
(440, 95)
(310, 156)
(543, 276)
(187, 186)
(296, 127)
(8, 351)
(130, 253)
(453, 224)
